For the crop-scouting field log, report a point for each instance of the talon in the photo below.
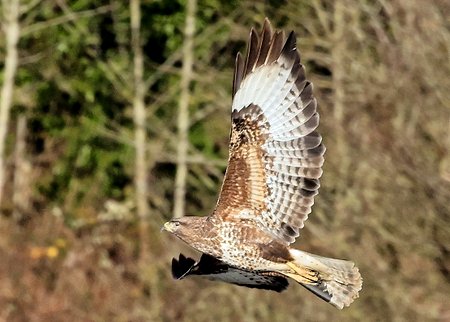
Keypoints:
(306, 274)
(294, 268)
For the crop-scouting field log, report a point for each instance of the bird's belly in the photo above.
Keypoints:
(245, 257)
(241, 249)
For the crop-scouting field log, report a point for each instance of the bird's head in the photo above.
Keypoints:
(185, 228)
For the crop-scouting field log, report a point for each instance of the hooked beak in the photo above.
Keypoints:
(167, 227)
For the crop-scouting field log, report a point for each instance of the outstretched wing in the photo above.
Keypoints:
(275, 155)
(213, 269)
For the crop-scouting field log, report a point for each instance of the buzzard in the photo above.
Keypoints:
(275, 162)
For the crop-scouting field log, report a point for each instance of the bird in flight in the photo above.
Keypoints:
(275, 162)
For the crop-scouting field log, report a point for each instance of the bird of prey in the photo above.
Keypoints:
(275, 162)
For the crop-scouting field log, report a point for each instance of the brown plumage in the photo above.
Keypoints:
(275, 162)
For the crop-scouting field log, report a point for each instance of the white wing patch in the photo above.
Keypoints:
(293, 151)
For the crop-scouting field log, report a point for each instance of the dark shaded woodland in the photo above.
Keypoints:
(114, 117)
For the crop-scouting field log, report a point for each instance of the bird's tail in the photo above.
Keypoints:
(335, 281)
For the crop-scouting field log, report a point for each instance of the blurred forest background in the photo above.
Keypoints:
(114, 117)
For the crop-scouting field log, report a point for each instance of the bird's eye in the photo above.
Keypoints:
(177, 223)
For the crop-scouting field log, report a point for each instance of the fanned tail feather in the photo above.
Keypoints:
(337, 281)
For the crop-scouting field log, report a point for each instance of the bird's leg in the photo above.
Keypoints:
(301, 274)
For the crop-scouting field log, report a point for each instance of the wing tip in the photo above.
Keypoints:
(265, 48)
(238, 73)
(252, 52)
(182, 266)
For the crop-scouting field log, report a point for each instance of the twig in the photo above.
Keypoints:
(71, 16)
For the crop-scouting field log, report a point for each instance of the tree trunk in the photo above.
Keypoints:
(22, 171)
(11, 30)
(140, 175)
(183, 113)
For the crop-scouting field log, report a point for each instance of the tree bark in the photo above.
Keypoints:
(140, 175)
(12, 33)
(22, 171)
(183, 112)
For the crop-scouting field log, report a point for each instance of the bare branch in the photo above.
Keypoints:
(169, 63)
(29, 6)
(71, 16)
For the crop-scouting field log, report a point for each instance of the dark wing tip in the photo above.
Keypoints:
(252, 52)
(291, 41)
(264, 45)
(182, 266)
(238, 73)
(264, 49)
(276, 45)
(289, 50)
